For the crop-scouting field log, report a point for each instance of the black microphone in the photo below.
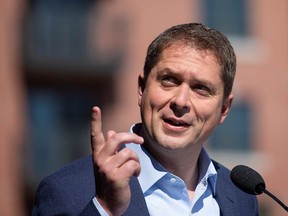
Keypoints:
(250, 181)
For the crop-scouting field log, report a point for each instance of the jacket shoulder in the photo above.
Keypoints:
(69, 189)
(231, 200)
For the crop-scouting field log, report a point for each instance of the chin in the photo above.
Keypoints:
(172, 146)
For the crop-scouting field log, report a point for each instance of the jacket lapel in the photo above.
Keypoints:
(224, 193)
(137, 203)
(225, 202)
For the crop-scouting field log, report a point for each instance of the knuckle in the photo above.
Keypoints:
(100, 162)
(92, 132)
(132, 166)
(126, 152)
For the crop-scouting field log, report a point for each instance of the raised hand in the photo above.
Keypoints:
(113, 168)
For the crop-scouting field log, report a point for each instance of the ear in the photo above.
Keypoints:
(226, 106)
(141, 86)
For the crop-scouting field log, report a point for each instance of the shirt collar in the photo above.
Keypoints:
(207, 171)
(152, 170)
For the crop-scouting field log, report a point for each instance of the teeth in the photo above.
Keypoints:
(176, 123)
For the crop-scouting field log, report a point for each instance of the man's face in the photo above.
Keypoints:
(182, 100)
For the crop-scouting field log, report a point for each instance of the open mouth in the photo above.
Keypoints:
(176, 123)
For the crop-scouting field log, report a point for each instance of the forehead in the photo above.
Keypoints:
(183, 57)
(190, 66)
(188, 48)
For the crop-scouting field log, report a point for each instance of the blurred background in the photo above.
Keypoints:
(58, 58)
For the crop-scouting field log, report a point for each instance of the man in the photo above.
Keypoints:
(160, 167)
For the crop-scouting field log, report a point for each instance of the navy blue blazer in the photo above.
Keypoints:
(70, 190)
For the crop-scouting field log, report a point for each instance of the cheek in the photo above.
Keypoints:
(209, 113)
(152, 105)
(153, 99)
(146, 106)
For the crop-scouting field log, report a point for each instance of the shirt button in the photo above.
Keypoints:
(173, 180)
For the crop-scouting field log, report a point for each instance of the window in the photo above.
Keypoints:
(230, 17)
(64, 80)
(59, 128)
(235, 133)
(58, 37)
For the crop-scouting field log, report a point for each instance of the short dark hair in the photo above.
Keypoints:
(201, 38)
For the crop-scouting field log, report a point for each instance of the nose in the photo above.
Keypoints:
(181, 102)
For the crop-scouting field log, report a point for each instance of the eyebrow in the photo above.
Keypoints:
(168, 71)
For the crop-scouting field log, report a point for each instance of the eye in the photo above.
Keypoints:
(202, 90)
(169, 81)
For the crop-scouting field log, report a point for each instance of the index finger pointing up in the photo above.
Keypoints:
(97, 138)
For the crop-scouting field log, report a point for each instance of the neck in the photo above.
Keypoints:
(180, 162)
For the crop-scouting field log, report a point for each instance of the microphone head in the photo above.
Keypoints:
(247, 179)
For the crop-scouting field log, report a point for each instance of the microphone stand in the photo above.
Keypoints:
(273, 197)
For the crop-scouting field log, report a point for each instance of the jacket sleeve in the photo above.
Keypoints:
(53, 199)
(90, 209)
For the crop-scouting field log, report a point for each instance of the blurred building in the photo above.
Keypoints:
(12, 114)
(80, 53)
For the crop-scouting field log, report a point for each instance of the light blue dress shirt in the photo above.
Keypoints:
(166, 194)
